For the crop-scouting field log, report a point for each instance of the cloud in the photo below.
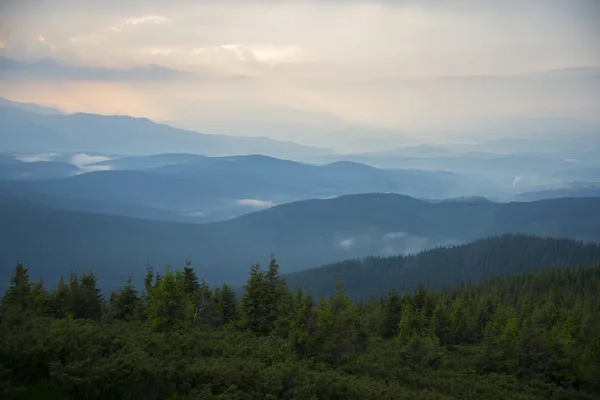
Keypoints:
(518, 179)
(357, 59)
(395, 235)
(41, 39)
(147, 19)
(194, 214)
(38, 157)
(85, 159)
(48, 69)
(526, 180)
(347, 244)
(93, 168)
(255, 203)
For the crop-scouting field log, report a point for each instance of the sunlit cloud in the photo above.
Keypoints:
(38, 157)
(377, 62)
(95, 168)
(147, 19)
(256, 203)
(85, 159)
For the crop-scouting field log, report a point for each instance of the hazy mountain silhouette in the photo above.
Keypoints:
(30, 107)
(24, 131)
(303, 234)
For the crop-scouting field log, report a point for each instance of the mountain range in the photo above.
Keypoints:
(25, 131)
(195, 188)
(303, 234)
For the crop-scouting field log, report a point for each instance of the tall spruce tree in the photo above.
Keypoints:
(19, 292)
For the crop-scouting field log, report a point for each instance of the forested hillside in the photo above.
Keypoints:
(534, 336)
(305, 234)
(445, 266)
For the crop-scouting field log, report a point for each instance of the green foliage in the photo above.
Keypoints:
(19, 292)
(265, 299)
(169, 305)
(124, 302)
(536, 336)
(337, 326)
(227, 304)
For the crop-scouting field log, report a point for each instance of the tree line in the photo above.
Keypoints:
(509, 254)
(533, 336)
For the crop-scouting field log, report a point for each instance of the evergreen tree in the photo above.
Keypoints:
(337, 325)
(392, 310)
(88, 299)
(168, 304)
(190, 279)
(227, 304)
(252, 304)
(266, 298)
(459, 322)
(123, 303)
(18, 294)
(302, 324)
(440, 323)
(59, 299)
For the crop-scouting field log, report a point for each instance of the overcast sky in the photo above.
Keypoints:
(389, 63)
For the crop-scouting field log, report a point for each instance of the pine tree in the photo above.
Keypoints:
(18, 294)
(190, 279)
(168, 303)
(265, 300)
(302, 324)
(39, 298)
(88, 300)
(227, 304)
(412, 323)
(392, 310)
(440, 323)
(337, 325)
(123, 303)
(252, 304)
(59, 300)
(459, 323)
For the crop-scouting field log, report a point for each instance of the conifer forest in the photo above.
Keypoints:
(530, 336)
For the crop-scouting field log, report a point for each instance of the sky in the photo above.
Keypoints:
(405, 64)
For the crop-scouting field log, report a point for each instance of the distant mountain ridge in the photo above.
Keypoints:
(21, 130)
(302, 234)
(210, 188)
(446, 266)
(30, 107)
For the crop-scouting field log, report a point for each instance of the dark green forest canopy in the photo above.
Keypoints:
(446, 266)
(529, 336)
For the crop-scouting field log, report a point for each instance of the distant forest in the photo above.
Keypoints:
(532, 336)
(446, 266)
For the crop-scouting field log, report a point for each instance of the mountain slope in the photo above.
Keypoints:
(485, 258)
(217, 188)
(24, 131)
(19, 170)
(303, 234)
(30, 107)
(127, 187)
(575, 189)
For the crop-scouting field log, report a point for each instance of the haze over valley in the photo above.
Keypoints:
(361, 199)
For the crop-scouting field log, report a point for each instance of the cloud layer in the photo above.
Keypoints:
(391, 63)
